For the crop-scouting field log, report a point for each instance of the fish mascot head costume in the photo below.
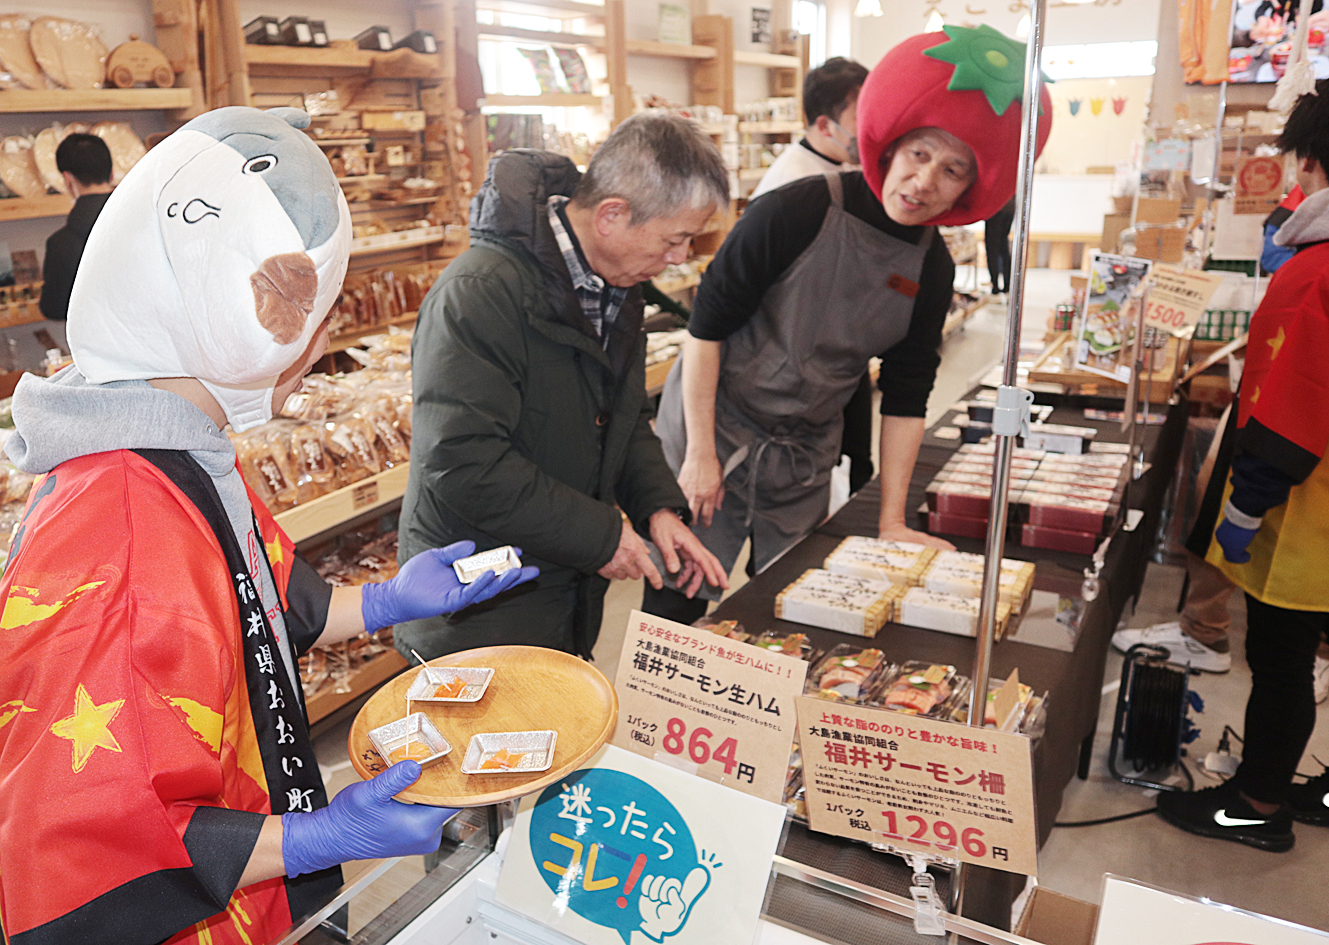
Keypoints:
(965, 81)
(217, 257)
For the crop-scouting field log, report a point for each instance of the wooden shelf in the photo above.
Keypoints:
(342, 58)
(398, 245)
(373, 673)
(646, 47)
(549, 99)
(93, 100)
(336, 60)
(769, 60)
(34, 208)
(656, 374)
(364, 206)
(340, 142)
(547, 37)
(361, 178)
(336, 508)
(351, 339)
(769, 127)
(710, 128)
(553, 9)
(671, 286)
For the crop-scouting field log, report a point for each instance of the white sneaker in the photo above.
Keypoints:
(1181, 648)
(1321, 679)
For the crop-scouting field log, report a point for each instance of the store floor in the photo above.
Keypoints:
(1074, 859)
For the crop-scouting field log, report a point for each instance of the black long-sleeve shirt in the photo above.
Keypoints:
(775, 230)
(64, 250)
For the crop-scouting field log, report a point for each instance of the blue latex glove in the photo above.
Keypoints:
(363, 822)
(426, 586)
(1234, 540)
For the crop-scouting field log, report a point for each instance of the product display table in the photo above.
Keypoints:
(1073, 680)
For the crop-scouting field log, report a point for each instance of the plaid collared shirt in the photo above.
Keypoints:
(599, 301)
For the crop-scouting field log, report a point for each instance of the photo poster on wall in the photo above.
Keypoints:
(1111, 306)
(676, 23)
(1263, 32)
(761, 24)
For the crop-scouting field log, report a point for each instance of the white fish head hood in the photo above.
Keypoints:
(217, 257)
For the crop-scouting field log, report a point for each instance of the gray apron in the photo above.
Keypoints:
(785, 378)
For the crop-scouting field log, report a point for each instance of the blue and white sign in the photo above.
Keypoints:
(629, 851)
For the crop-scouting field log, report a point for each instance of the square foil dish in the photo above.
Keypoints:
(497, 560)
(415, 728)
(428, 679)
(525, 752)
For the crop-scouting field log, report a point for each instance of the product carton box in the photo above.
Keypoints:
(1057, 919)
(1113, 224)
(1157, 210)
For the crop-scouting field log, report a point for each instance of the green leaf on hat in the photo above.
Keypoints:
(986, 61)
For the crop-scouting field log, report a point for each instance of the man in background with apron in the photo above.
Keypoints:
(820, 276)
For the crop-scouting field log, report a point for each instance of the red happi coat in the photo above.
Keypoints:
(132, 778)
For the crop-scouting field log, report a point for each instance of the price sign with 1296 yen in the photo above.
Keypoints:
(691, 696)
(919, 784)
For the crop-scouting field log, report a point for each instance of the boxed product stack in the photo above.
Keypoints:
(946, 613)
(837, 602)
(961, 574)
(926, 588)
(880, 560)
(1060, 501)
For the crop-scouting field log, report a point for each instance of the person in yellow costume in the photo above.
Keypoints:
(1273, 538)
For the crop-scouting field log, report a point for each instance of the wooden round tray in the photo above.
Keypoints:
(533, 689)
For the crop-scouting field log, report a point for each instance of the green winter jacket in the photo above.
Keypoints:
(526, 429)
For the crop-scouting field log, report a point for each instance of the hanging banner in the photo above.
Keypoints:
(628, 847)
(1129, 907)
(720, 705)
(1178, 297)
(1259, 185)
(919, 784)
(1107, 325)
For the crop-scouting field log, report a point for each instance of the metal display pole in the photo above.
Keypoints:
(1011, 416)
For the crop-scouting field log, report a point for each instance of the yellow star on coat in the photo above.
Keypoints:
(274, 550)
(89, 728)
(1276, 342)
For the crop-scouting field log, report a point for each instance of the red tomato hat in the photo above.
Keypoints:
(967, 81)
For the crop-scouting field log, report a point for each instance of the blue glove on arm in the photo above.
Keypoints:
(363, 822)
(426, 586)
(1235, 533)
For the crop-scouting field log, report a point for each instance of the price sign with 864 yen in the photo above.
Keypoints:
(692, 696)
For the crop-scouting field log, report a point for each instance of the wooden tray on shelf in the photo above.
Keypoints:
(533, 689)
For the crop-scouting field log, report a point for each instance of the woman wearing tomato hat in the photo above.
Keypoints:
(824, 274)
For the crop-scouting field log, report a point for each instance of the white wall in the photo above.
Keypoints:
(1122, 21)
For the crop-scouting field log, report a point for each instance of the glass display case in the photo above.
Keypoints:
(381, 897)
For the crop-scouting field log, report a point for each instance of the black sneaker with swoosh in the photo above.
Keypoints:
(1221, 812)
(1310, 801)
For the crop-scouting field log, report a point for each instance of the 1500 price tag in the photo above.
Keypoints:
(690, 696)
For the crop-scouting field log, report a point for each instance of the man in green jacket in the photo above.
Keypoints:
(531, 423)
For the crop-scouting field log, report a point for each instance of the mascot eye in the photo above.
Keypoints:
(257, 165)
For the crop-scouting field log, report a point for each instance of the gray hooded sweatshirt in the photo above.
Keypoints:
(64, 417)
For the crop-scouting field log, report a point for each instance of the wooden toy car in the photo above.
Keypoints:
(137, 61)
